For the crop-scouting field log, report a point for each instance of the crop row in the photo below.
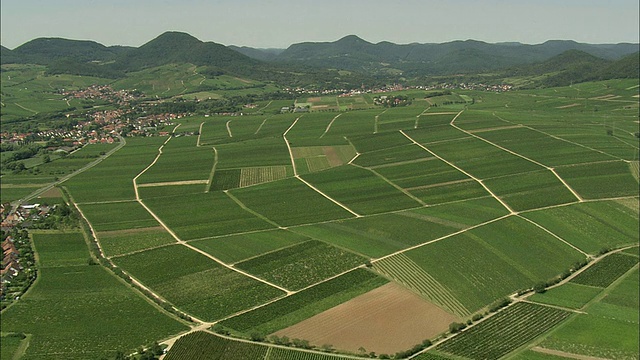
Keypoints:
(257, 175)
(606, 271)
(202, 345)
(205, 346)
(301, 265)
(405, 271)
(504, 332)
(302, 305)
(195, 283)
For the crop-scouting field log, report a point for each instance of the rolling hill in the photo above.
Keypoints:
(323, 64)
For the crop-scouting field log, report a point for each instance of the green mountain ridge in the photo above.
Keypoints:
(322, 64)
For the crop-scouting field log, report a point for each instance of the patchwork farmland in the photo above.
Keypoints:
(293, 236)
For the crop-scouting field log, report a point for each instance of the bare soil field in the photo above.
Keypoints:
(51, 193)
(371, 321)
(332, 156)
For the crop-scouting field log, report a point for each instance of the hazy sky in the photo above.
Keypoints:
(279, 23)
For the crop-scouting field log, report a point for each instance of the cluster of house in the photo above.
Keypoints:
(469, 86)
(11, 266)
(13, 217)
(102, 92)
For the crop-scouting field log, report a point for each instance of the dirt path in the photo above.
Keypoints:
(229, 129)
(375, 121)
(461, 170)
(297, 176)
(559, 138)
(577, 196)
(48, 187)
(565, 354)
(404, 191)
(415, 126)
(554, 235)
(442, 238)
(25, 108)
(170, 183)
(329, 126)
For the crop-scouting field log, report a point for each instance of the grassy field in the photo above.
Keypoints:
(67, 293)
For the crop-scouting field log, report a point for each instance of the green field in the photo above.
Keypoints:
(195, 283)
(301, 265)
(67, 293)
(244, 218)
(591, 226)
(304, 304)
(504, 332)
(609, 326)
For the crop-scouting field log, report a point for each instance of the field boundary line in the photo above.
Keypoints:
(88, 166)
(24, 108)
(284, 136)
(462, 171)
(415, 126)
(328, 197)
(173, 183)
(559, 138)
(554, 235)
(329, 126)
(229, 128)
(375, 121)
(199, 134)
(442, 237)
(253, 212)
(565, 354)
(213, 170)
(295, 173)
(407, 193)
(182, 242)
(262, 124)
(135, 179)
(575, 194)
(105, 202)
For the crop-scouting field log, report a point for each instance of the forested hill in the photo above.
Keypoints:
(354, 53)
(323, 63)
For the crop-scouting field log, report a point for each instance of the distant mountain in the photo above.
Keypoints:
(354, 53)
(256, 53)
(575, 66)
(628, 67)
(320, 63)
(45, 51)
(178, 47)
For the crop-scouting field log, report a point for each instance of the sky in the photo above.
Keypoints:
(280, 23)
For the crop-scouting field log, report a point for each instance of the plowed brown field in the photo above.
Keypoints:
(385, 320)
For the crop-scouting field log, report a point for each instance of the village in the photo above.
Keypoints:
(18, 270)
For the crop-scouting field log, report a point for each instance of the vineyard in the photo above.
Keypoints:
(606, 271)
(355, 229)
(504, 332)
(201, 345)
(403, 270)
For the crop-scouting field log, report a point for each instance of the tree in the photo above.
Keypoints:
(540, 287)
